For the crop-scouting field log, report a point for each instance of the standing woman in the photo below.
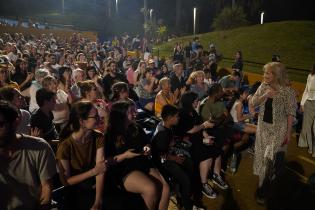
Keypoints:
(277, 107)
(81, 159)
(307, 138)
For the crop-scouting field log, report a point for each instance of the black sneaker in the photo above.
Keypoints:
(259, 197)
(218, 180)
(208, 191)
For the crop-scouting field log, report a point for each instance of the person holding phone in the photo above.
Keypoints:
(277, 108)
(128, 146)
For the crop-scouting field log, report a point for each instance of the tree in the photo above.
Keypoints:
(230, 18)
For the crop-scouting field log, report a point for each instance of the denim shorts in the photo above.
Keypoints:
(144, 101)
(239, 126)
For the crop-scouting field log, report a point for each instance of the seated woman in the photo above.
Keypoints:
(36, 85)
(89, 92)
(127, 144)
(165, 96)
(22, 77)
(120, 92)
(15, 97)
(239, 117)
(147, 88)
(81, 159)
(190, 128)
(61, 111)
(199, 86)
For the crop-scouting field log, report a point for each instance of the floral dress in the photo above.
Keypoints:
(270, 136)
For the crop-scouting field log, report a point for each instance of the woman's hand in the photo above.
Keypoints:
(130, 154)
(270, 93)
(99, 168)
(30, 76)
(146, 150)
(286, 140)
(208, 124)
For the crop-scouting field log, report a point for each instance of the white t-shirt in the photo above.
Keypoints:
(309, 92)
(33, 103)
(233, 111)
(61, 116)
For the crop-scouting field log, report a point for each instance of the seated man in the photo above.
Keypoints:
(230, 83)
(213, 109)
(27, 165)
(42, 119)
(178, 165)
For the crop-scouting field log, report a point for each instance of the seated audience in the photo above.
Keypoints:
(164, 96)
(147, 89)
(24, 186)
(229, 83)
(81, 159)
(127, 145)
(89, 92)
(42, 118)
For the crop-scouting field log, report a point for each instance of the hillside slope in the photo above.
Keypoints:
(294, 41)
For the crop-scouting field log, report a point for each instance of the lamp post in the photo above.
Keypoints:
(63, 6)
(151, 12)
(195, 11)
(262, 17)
(117, 7)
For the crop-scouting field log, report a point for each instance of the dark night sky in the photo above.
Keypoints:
(275, 10)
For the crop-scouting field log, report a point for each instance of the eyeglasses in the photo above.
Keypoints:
(96, 117)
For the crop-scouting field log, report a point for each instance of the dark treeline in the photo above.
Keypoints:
(178, 14)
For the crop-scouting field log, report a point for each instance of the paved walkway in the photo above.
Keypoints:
(289, 193)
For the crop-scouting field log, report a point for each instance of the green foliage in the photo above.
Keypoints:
(230, 18)
(161, 31)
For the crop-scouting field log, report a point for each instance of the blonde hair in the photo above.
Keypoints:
(194, 75)
(279, 71)
(163, 81)
(48, 80)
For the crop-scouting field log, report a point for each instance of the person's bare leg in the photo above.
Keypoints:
(165, 197)
(138, 182)
(204, 168)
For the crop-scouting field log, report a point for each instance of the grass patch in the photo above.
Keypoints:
(294, 41)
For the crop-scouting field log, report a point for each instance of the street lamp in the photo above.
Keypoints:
(151, 11)
(63, 6)
(262, 17)
(116, 6)
(195, 11)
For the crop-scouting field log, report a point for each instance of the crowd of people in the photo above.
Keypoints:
(108, 119)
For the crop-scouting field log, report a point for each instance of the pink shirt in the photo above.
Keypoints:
(129, 74)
